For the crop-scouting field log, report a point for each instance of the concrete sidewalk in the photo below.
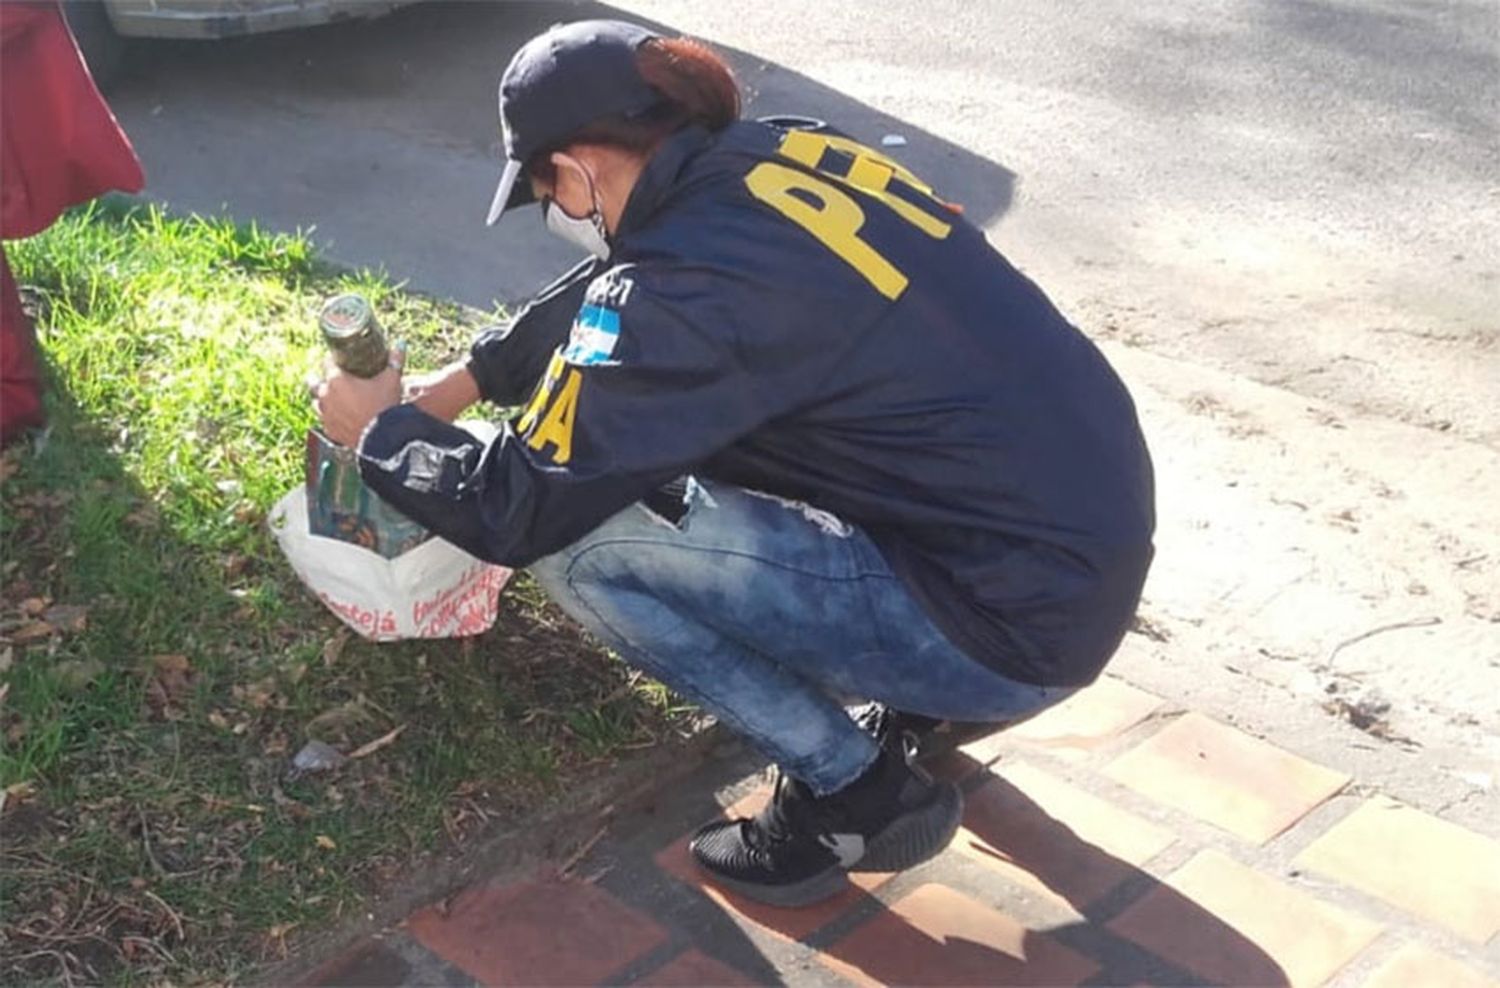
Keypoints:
(1115, 840)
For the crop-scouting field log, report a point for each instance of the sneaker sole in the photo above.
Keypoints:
(916, 837)
(907, 842)
(824, 885)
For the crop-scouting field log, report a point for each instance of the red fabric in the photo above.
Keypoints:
(59, 145)
(20, 387)
(59, 142)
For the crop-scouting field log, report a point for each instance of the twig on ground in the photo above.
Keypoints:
(156, 865)
(377, 744)
(1396, 625)
(594, 878)
(621, 691)
(171, 913)
(151, 946)
(582, 851)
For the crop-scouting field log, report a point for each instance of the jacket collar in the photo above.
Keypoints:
(660, 175)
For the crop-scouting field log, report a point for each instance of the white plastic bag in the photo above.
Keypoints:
(436, 590)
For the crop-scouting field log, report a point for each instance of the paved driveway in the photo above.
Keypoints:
(1302, 192)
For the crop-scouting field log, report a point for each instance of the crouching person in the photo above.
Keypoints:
(794, 433)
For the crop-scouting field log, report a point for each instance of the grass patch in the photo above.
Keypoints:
(160, 664)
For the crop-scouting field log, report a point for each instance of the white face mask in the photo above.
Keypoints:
(587, 232)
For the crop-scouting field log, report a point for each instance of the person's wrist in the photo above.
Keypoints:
(459, 391)
(466, 385)
(448, 392)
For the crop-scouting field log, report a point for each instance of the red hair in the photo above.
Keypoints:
(696, 88)
(693, 78)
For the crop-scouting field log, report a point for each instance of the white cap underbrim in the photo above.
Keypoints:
(503, 191)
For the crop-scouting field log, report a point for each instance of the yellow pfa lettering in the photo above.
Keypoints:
(870, 172)
(855, 150)
(875, 177)
(557, 426)
(835, 220)
(804, 147)
(543, 392)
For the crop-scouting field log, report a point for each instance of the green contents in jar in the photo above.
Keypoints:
(354, 336)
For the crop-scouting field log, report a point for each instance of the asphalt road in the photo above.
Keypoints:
(1300, 191)
(1306, 193)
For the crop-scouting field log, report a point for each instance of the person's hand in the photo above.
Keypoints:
(443, 394)
(347, 404)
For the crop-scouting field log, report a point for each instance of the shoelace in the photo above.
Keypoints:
(878, 720)
(787, 814)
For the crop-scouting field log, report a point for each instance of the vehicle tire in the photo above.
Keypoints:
(102, 48)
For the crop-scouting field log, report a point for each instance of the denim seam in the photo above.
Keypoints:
(693, 694)
(636, 540)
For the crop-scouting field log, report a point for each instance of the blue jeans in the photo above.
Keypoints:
(768, 614)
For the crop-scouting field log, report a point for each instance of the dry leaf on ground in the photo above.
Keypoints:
(334, 647)
(339, 719)
(171, 678)
(32, 631)
(257, 695)
(67, 617)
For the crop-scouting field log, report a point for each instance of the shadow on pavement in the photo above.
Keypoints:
(960, 920)
(1139, 930)
(384, 136)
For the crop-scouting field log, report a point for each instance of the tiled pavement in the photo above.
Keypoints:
(1111, 841)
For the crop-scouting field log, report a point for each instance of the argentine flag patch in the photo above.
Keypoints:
(592, 341)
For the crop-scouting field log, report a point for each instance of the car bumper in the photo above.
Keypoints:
(227, 18)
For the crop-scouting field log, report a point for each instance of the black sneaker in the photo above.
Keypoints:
(921, 739)
(796, 851)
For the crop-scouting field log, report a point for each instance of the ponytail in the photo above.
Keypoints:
(696, 88)
(693, 79)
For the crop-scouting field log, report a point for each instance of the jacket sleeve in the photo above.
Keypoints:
(651, 381)
(507, 360)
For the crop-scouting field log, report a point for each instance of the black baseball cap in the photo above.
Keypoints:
(560, 81)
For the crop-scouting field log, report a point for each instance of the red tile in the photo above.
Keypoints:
(793, 924)
(935, 936)
(370, 964)
(1248, 787)
(1415, 966)
(1090, 718)
(1045, 833)
(551, 932)
(692, 969)
(1232, 925)
(1427, 866)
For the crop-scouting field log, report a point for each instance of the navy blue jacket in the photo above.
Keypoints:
(794, 313)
